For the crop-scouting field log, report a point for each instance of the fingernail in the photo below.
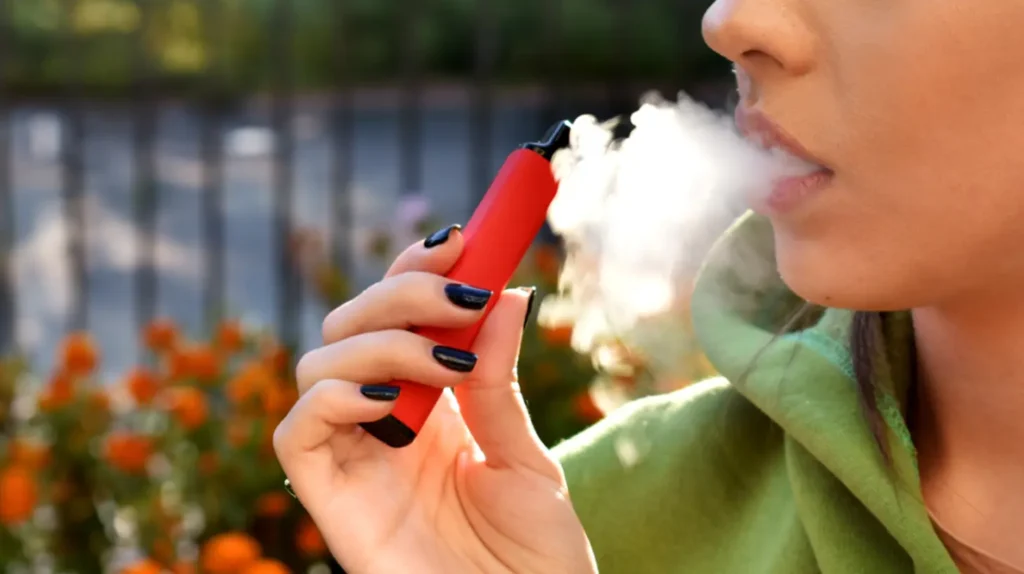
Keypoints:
(380, 392)
(455, 359)
(529, 304)
(467, 297)
(440, 236)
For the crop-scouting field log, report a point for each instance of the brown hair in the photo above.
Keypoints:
(867, 340)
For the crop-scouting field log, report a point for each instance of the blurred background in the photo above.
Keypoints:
(187, 186)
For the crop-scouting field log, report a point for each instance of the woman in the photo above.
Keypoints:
(869, 418)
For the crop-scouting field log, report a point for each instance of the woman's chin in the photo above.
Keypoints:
(841, 280)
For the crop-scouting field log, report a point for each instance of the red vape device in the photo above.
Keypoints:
(497, 238)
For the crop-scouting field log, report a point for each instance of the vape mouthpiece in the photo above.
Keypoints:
(555, 139)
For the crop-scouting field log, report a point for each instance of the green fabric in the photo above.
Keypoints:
(770, 468)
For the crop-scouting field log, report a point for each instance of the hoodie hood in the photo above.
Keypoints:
(793, 362)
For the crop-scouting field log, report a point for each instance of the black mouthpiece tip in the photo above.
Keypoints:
(556, 138)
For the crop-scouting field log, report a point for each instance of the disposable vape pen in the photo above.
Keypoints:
(497, 237)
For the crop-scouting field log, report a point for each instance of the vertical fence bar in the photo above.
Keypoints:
(281, 114)
(339, 232)
(7, 299)
(73, 171)
(483, 105)
(410, 144)
(145, 194)
(213, 165)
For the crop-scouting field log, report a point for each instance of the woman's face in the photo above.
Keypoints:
(917, 107)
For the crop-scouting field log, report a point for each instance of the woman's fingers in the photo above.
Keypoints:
(435, 254)
(325, 409)
(414, 298)
(383, 356)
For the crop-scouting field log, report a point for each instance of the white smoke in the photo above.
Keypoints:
(639, 215)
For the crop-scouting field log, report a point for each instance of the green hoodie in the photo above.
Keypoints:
(771, 468)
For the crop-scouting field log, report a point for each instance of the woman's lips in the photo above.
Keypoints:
(789, 192)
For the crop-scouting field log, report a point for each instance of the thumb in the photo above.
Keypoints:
(490, 400)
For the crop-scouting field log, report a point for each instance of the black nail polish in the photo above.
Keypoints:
(455, 359)
(467, 297)
(380, 392)
(440, 236)
(529, 304)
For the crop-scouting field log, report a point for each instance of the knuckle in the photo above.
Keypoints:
(304, 372)
(405, 289)
(423, 298)
(340, 320)
(388, 349)
(280, 442)
(330, 324)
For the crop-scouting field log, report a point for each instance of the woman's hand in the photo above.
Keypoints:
(477, 491)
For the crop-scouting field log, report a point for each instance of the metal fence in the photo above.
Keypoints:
(340, 117)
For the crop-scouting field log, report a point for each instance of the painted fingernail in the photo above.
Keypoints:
(440, 236)
(455, 359)
(529, 304)
(467, 297)
(380, 392)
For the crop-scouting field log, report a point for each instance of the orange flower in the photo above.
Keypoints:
(161, 335)
(208, 463)
(184, 568)
(308, 539)
(230, 336)
(266, 566)
(559, 336)
(197, 362)
(99, 401)
(586, 409)
(188, 406)
(251, 380)
(273, 504)
(229, 553)
(278, 399)
(78, 354)
(143, 385)
(19, 494)
(239, 432)
(58, 394)
(146, 566)
(276, 358)
(28, 454)
(128, 452)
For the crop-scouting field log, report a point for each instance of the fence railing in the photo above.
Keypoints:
(338, 120)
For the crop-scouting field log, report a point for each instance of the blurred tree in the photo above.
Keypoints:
(95, 42)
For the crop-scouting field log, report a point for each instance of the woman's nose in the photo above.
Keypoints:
(763, 37)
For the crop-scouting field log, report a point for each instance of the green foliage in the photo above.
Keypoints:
(102, 46)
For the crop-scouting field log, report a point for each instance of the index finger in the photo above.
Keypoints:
(436, 254)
